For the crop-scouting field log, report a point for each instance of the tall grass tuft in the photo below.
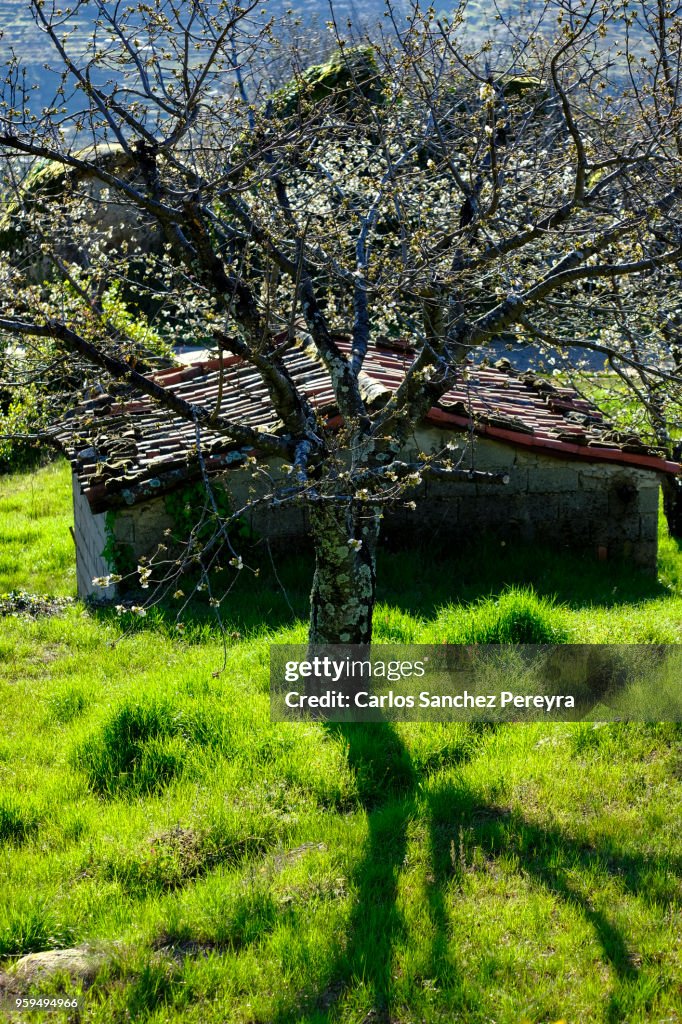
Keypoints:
(67, 703)
(141, 748)
(153, 987)
(517, 616)
(17, 820)
(31, 925)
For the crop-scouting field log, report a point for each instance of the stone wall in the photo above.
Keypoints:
(139, 530)
(141, 527)
(603, 510)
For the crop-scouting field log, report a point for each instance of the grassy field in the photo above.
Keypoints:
(226, 869)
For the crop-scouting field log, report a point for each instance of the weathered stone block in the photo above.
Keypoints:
(644, 555)
(649, 497)
(583, 507)
(626, 528)
(648, 528)
(124, 527)
(544, 513)
(597, 477)
(553, 480)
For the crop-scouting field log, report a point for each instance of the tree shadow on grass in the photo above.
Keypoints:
(555, 863)
(278, 595)
(389, 791)
(386, 782)
(417, 580)
(423, 579)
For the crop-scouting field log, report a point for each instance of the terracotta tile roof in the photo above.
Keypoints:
(126, 451)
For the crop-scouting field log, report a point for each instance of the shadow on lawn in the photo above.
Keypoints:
(421, 580)
(417, 580)
(389, 791)
(278, 595)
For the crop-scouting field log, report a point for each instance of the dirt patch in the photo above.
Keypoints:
(180, 949)
(287, 856)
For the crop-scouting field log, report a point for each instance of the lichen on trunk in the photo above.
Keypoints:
(342, 599)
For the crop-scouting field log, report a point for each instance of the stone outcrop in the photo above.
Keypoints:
(344, 80)
(79, 962)
(45, 195)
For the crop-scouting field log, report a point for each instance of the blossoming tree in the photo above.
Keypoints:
(423, 184)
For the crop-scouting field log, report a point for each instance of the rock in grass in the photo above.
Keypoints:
(81, 962)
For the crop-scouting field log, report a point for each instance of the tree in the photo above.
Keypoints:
(416, 185)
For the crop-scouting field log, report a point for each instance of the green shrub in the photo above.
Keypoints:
(28, 408)
(26, 413)
(140, 335)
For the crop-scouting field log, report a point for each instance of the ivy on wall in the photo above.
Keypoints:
(119, 556)
(183, 507)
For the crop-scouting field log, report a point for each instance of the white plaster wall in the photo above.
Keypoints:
(90, 536)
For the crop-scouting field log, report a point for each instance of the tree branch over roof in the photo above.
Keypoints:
(73, 342)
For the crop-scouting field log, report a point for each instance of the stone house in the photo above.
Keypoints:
(572, 481)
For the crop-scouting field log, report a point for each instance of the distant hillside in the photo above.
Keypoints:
(19, 33)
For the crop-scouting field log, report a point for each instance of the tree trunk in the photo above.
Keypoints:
(672, 504)
(342, 598)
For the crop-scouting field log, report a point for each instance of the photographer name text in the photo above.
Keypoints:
(337, 699)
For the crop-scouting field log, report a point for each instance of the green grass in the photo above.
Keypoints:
(36, 548)
(236, 870)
